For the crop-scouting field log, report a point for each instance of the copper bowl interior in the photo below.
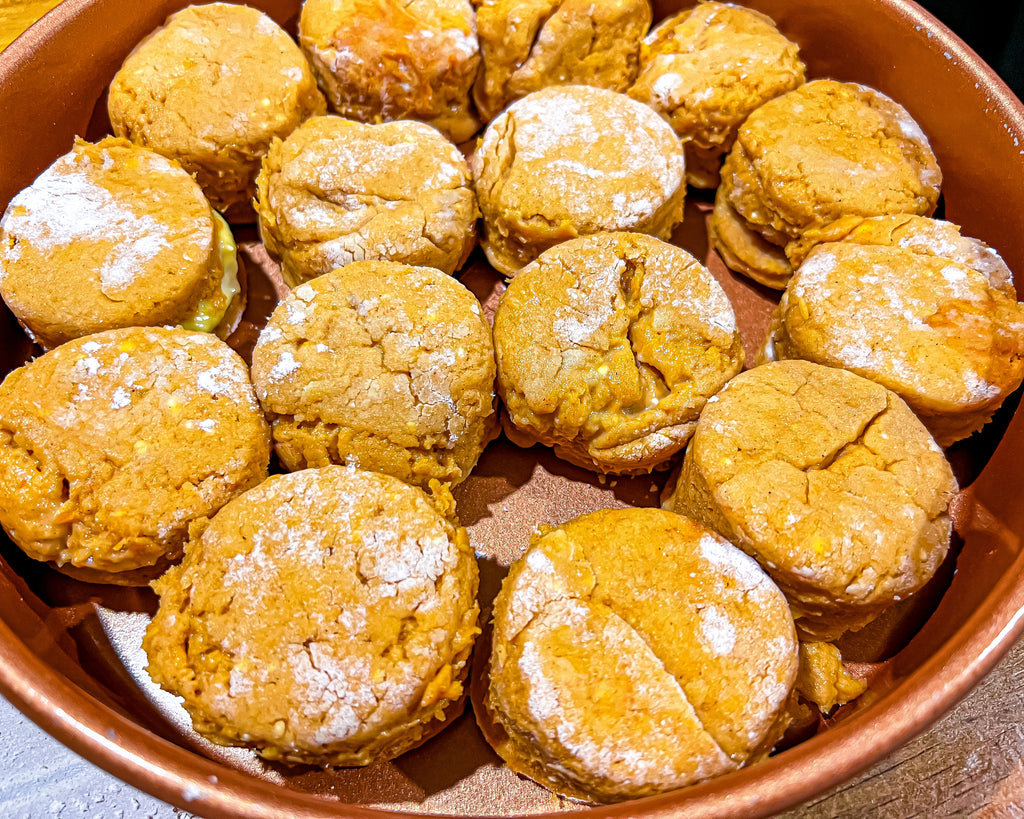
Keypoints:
(63, 643)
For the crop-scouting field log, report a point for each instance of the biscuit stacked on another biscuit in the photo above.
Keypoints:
(113, 446)
(822, 152)
(829, 481)
(211, 88)
(114, 235)
(607, 348)
(324, 617)
(569, 161)
(382, 365)
(705, 69)
(337, 191)
(634, 652)
(528, 45)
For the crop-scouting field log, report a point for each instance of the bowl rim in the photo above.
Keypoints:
(195, 783)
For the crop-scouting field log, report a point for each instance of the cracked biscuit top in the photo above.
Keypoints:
(807, 158)
(211, 88)
(382, 365)
(569, 161)
(609, 345)
(829, 481)
(532, 44)
(337, 191)
(383, 60)
(113, 445)
(110, 235)
(323, 617)
(910, 303)
(633, 652)
(705, 69)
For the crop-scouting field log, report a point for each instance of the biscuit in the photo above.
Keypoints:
(801, 161)
(114, 445)
(607, 348)
(211, 88)
(528, 45)
(324, 617)
(705, 69)
(337, 191)
(569, 161)
(908, 302)
(114, 235)
(634, 652)
(382, 365)
(382, 60)
(829, 481)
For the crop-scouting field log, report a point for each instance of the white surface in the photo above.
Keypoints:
(39, 777)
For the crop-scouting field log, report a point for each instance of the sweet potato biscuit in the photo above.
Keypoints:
(634, 652)
(382, 60)
(824, 151)
(532, 44)
(323, 617)
(113, 235)
(211, 88)
(829, 481)
(337, 191)
(569, 161)
(607, 348)
(910, 303)
(382, 365)
(705, 69)
(113, 445)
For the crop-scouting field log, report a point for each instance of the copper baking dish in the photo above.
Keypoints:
(69, 654)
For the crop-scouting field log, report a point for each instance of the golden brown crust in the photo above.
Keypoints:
(830, 481)
(211, 88)
(613, 678)
(573, 160)
(824, 151)
(383, 365)
(906, 301)
(338, 191)
(609, 345)
(532, 44)
(112, 445)
(323, 617)
(706, 69)
(111, 235)
(383, 60)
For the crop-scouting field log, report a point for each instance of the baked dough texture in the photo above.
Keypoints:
(607, 348)
(382, 365)
(382, 60)
(829, 481)
(635, 652)
(211, 88)
(801, 161)
(113, 445)
(568, 161)
(705, 69)
(324, 617)
(528, 45)
(910, 303)
(338, 191)
(110, 235)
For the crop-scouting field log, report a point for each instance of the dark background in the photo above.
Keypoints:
(994, 29)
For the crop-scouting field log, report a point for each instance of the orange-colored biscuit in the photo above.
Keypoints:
(633, 652)
(910, 303)
(324, 617)
(801, 161)
(706, 69)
